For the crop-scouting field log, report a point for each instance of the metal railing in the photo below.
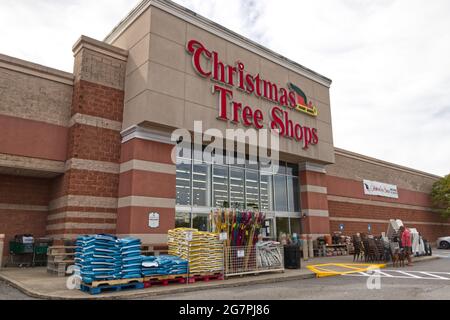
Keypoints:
(253, 260)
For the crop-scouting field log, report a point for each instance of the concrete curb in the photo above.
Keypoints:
(175, 289)
(169, 290)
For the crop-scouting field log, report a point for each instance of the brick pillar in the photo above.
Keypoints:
(314, 203)
(147, 184)
(84, 199)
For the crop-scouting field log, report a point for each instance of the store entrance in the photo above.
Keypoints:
(203, 187)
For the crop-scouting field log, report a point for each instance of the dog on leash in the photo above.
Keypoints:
(397, 253)
(401, 257)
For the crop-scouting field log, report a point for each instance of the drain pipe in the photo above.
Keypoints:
(2, 241)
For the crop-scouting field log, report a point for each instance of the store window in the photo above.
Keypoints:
(220, 187)
(200, 221)
(252, 189)
(266, 192)
(296, 225)
(200, 184)
(237, 192)
(282, 226)
(293, 194)
(203, 186)
(182, 220)
(280, 194)
(183, 180)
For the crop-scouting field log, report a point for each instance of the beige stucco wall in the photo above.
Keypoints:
(162, 86)
(34, 92)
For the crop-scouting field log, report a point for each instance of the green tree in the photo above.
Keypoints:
(440, 195)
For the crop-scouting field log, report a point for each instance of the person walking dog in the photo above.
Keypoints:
(406, 243)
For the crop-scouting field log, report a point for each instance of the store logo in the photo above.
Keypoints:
(302, 101)
(208, 64)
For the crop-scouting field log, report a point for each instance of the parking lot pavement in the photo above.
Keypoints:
(400, 274)
(424, 287)
(441, 253)
(9, 293)
(425, 280)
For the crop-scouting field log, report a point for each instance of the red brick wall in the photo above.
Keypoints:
(18, 190)
(24, 190)
(98, 101)
(94, 142)
(88, 142)
(430, 222)
(93, 183)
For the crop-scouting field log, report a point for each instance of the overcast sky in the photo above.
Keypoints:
(389, 59)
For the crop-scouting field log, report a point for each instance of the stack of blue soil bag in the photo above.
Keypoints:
(130, 251)
(98, 258)
(163, 265)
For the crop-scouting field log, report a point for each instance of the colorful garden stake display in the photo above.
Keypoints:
(242, 229)
(204, 251)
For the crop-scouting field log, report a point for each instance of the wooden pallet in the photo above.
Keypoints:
(59, 267)
(111, 288)
(205, 277)
(59, 258)
(164, 280)
(116, 282)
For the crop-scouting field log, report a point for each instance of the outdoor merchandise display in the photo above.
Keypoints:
(130, 252)
(241, 227)
(269, 255)
(241, 231)
(418, 245)
(202, 250)
(98, 258)
(163, 265)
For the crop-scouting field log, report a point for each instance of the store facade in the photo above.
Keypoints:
(95, 151)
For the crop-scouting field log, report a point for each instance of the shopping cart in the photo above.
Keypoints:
(21, 254)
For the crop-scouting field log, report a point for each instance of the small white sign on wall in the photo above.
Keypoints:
(153, 220)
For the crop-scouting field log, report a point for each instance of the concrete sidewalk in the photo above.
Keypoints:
(37, 283)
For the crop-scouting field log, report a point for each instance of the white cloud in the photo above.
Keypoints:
(388, 59)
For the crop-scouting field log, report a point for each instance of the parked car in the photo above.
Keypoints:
(443, 243)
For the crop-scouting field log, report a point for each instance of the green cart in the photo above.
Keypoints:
(28, 254)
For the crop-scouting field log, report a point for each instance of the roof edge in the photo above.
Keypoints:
(217, 29)
(34, 69)
(358, 156)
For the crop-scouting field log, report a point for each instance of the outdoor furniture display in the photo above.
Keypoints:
(335, 250)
